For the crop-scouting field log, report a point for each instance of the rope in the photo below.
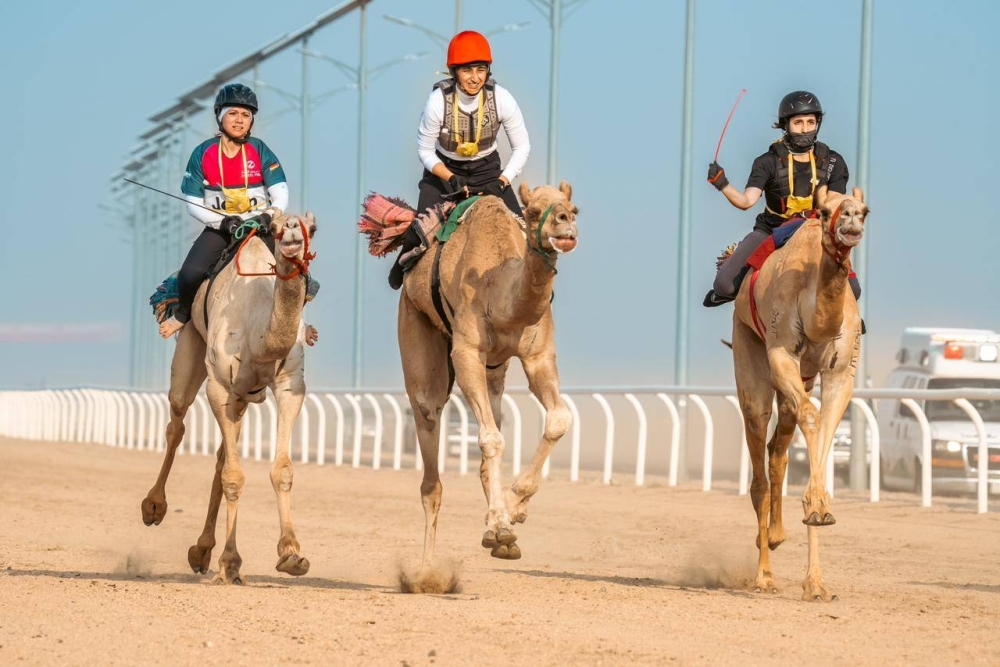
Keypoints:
(301, 266)
(546, 256)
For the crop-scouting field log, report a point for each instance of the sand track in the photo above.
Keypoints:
(610, 574)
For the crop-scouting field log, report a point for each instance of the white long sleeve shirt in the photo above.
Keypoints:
(510, 119)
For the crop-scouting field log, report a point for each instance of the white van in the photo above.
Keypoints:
(941, 359)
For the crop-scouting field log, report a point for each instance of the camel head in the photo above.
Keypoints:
(842, 215)
(552, 209)
(288, 232)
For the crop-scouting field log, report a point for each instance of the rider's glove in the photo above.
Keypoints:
(230, 223)
(717, 176)
(455, 183)
(495, 188)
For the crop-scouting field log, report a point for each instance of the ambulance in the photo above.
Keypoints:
(931, 358)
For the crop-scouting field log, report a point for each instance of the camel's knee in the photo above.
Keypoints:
(430, 487)
(557, 422)
(491, 444)
(282, 475)
(425, 414)
(808, 418)
(232, 483)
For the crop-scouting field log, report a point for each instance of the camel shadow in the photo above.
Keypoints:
(679, 583)
(190, 579)
(982, 588)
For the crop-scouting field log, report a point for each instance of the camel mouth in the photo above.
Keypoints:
(563, 244)
(291, 250)
(849, 237)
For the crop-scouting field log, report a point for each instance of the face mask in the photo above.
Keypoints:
(801, 142)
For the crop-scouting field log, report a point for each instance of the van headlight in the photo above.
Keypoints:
(949, 446)
(988, 353)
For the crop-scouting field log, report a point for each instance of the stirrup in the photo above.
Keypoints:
(712, 299)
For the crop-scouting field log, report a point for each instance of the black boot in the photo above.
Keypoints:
(396, 273)
(712, 299)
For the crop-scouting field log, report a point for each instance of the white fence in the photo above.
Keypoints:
(137, 420)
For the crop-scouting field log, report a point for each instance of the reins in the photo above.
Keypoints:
(301, 266)
(540, 251)
(843, 252)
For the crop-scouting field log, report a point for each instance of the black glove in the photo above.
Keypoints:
(717, 176)
(264, 224)
(455, 183)
(495, 188)
(230, 223)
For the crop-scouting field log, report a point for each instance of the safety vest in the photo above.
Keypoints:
(479, 128)
(821, 166)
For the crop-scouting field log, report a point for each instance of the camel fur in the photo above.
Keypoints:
(812, 327)
(254, 340)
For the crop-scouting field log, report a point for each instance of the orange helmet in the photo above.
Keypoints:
(468, 47)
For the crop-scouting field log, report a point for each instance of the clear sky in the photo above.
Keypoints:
(79, 81)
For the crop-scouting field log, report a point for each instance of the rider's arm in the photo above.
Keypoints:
(742, 200)
(839, 175)
(517, 133)
(193, 187)
(427, 135)
(274, 177)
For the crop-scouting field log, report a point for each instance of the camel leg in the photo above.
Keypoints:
(200, 554)
(496, 379)
(836, 390)
(777, 459)
(470, 371)
(756, 395)
(289, 390)
(788, 380)
(543, 381)
(424, 353)
(187, 372)
(232, 477)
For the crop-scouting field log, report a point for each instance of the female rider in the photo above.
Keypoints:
(234, 174)
(787, 175)
(458, 134)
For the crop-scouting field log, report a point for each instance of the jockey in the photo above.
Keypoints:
(233, 174)
(787, 175)
(457, 140)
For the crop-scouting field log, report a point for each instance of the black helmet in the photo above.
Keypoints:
(797, 103)
(235, 95)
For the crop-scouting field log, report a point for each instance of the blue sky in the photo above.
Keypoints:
(80, 80)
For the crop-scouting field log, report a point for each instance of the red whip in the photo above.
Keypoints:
(726, 126)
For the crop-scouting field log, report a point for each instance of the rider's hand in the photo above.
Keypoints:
(495, 188)
(717, 176)
(230, 223)
(456, 183)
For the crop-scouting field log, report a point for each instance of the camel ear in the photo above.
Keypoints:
(566, 189)
(858, 194)
(311, 220)
(525, 192)
(278, 224)
(822, 194)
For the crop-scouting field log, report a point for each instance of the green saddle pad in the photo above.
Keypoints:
(449, 227)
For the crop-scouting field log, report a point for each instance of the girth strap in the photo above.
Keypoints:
(436, 297)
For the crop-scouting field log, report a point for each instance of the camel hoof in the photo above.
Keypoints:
(506, 535)
(828, 519)
(489, 539)
(153, 511)
(199, 558)
(221, 580)
(293, 564)
(506, 552)
(772, 590)
(817, 593)
(812, 520)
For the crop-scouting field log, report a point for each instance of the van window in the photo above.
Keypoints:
(948, 411)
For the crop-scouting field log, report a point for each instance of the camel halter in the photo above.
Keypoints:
(842, 256)
(468, 148)
(540, 250)
(301, 266)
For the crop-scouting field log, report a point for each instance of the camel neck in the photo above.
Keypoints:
(831, 288)
(535, 286)
(286, 312)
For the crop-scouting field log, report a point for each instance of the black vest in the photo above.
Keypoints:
(468, 122)
(824, 167)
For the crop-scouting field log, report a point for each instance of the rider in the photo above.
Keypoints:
(797, 155)
(254, 181)
(458, 134)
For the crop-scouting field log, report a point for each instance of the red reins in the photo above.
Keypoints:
(301, 266)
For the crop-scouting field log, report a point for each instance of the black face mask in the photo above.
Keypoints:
(800, 143)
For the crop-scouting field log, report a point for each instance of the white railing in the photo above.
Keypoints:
(137, 420)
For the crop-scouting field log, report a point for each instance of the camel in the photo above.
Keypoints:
(794, 319)
(252, 340)
(495, 292)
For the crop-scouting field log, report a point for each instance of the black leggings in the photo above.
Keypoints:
(477, 173)
(204, 254)
(732, 272)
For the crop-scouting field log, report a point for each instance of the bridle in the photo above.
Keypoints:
(301, 266)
